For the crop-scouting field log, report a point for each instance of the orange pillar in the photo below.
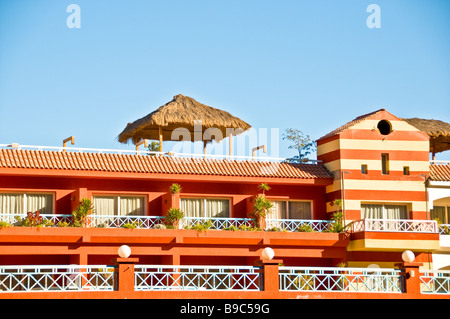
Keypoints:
(271, 281)
(124, 274)
(411, 274)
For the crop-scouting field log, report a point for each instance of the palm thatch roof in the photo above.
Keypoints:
(438, 131)
(182, 113)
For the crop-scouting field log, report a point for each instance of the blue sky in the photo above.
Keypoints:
(307, 64)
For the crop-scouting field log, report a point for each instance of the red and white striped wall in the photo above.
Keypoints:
(353, 153)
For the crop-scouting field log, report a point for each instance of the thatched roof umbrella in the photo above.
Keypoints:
(438, 131)
(180, 117)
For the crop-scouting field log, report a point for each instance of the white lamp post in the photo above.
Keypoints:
(408, 256)
(124, 251)
(267, 253)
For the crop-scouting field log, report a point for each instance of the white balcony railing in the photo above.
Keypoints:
(394, 225)
(160, 277)
(341, 279)
(296, 224)
(149, 222)
(435, 282)
(56, 278)
(291, 225)
(216, 223)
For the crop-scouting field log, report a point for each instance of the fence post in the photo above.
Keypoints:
(411, 275)
(271, 281)
(124, 274)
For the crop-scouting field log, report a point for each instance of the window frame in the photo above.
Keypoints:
(117, 198)
(25, 203)
(385, 163)
(286, 201)
(204, 204)
(446, 213)
(384, 211)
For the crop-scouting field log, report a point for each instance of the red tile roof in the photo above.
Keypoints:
(351, 123)
(440, 172)
(56, 160)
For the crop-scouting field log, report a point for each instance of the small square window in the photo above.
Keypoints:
(364, 169)
(405, 170)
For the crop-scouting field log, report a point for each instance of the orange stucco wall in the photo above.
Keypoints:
(68, 191)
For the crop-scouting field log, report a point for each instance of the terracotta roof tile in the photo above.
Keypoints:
(351, 123)
(440, 172)
(32, 159)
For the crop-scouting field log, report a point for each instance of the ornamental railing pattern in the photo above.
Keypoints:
(225, 223)
(76, 278)
(56, 278)
(394, 225)
(341, 279)
(160, 277)
(435, 282)
(297, 224)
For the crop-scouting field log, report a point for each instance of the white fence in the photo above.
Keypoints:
(341, 279)
(394, 225)
(56, 278)
(160, 277)
(435, 282)
(148, 222)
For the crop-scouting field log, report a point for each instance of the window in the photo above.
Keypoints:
(384, 211)
(384, 127)
(384, 164)
(21, 203)
(442, 213)
(363, 169)
(119, 205)
(290, 210)
(405, 170)
(205, 207)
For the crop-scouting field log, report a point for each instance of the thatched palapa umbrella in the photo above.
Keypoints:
(438, 131)
(181, 118)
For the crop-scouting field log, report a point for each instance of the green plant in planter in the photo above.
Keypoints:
(81, 212)
(5, 224)
(260, 209)
(33, 220)
(173, 217)
(175, 188)
(264, 187)
(338, 225)
(232, 228)
(129, 225)
(305, 228)
(202, 226)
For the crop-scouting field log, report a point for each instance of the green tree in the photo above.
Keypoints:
(153, 147)
(300, 142)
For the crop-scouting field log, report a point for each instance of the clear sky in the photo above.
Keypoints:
(307, 64)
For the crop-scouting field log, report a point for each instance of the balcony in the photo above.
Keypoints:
(155, 222)
(286, 225)
(252, 282)
(394, 235)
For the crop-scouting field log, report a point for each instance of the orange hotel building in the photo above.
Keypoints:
(377, 164)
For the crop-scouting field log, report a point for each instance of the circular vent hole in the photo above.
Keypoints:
(384, 127)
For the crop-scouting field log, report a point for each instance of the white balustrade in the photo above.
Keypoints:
(435, 282)
(161, 277)
(337, 279)
(394, 225)
(56, 278)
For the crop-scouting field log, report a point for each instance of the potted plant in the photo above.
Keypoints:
(261, 206)
(264, 187)
(260, 209)
(80, 213)
(173, 217)
(175, 188)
